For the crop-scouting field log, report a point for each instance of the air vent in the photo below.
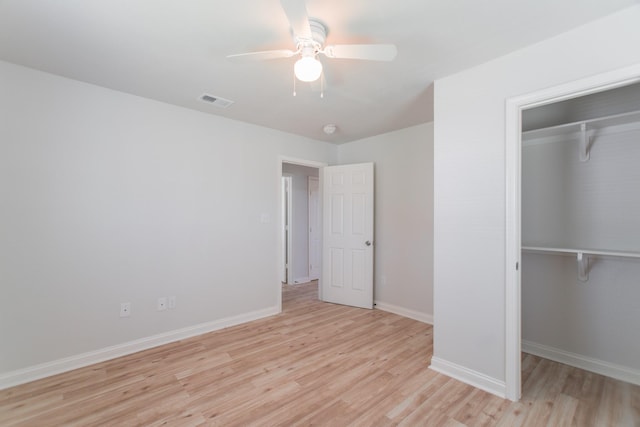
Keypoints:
(216, 100)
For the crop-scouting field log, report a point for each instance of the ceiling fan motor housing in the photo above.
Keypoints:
(318, 37)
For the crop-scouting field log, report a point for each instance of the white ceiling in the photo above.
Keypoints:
(174, 51)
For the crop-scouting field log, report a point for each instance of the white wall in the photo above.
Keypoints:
(589, 205)
(470, 186)
(583, 205)
(403, 217)
(596, 320)
(107, 197)
(300, 219)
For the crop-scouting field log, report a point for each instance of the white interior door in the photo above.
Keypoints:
(315, 250)
(347, 256)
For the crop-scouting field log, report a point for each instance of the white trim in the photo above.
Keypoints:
(404, 312)
(59, 366)
(289, 215)
(619, 372)
(300, 162)
(300, 280)
(318, 218)
(471, 377)
(513, 146)
(513, 155)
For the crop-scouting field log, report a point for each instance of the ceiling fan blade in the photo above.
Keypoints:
(296, 12)
(371, 52)
(261, 56)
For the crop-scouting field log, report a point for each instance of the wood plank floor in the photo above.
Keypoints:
(315, 364)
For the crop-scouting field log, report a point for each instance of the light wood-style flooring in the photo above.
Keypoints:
(315, 364)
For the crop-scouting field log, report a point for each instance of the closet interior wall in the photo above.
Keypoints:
(583, 205)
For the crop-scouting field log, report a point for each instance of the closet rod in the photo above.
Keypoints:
(575, 251)
(582, 256)
(630, 117)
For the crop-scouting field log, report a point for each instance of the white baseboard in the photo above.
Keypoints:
(301, 280)
(469, 376)
(32, 373)
(405, 312)
(619, 372)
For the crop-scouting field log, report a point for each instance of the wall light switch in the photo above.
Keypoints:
(172, 302)
(162, 303)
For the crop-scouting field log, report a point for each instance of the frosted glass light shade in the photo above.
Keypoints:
(307, 69)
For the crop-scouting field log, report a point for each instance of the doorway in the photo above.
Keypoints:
(301, 209)
(297, 240)
(514, 110)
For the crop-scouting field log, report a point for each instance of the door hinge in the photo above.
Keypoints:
(517, 265)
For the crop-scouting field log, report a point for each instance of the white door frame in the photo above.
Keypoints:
(317, 216)
(513, 151)
(293, 161)
(285, 236)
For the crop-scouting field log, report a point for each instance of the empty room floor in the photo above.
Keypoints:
(314, 364)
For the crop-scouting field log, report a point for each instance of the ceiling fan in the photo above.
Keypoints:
(309, 35)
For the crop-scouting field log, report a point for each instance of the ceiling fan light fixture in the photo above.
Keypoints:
(307, 69)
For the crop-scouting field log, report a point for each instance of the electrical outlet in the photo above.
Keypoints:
(162, 303)
(125, 309)
(172, 302)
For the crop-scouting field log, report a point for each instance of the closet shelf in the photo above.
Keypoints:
(571, 251)
(582, 256)
(582, 125)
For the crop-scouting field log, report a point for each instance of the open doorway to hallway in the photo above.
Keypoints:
(301, 220)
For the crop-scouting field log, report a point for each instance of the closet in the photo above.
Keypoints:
(580, 277)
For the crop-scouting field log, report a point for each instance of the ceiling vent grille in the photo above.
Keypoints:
(216, 100)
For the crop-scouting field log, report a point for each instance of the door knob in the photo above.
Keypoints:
(368, 243)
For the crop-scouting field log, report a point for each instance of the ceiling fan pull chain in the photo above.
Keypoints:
(321, 86)
(294, 84)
